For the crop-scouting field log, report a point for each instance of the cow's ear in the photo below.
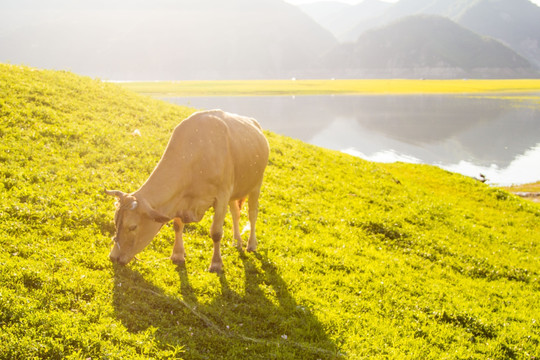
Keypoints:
(153, 214)
(157, 217)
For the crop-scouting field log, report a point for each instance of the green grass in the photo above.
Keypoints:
(340, 86)
(356, 259)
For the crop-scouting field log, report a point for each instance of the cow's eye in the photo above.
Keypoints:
(132, 228)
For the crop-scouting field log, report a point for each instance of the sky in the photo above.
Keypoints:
(537, 2)
(296, 2)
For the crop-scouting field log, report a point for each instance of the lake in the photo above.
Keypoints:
(498, 136)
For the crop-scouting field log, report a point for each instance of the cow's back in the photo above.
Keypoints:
(249, 149)
(219, 149)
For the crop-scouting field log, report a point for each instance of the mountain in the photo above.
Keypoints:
(448, 8)
(514, 22)
(213, 39)
(163, 39)
(426, 46)
(403, 8)
(340, 18)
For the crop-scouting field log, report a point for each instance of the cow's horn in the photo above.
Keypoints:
(116, 193)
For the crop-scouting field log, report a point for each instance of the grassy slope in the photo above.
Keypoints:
(356, 259)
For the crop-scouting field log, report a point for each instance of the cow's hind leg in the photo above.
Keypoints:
(216, 232)
(178, 256)
(253, 204)
(236, 206)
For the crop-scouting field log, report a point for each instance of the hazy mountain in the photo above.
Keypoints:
(216, 39)
(448, 8)
(426, 46)
(403, 8)
(340, 18)
(514, 22)
(162, 39)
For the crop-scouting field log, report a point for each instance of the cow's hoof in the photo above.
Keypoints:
(177, 260)
(251, 249)
(238, 243)
(216, 268)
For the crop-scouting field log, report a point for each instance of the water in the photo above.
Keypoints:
(496, 136)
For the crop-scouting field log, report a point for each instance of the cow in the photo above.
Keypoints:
(213, 159)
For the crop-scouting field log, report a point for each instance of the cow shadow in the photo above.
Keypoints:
(263, 321)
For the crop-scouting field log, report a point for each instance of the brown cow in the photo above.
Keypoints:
(213, 159)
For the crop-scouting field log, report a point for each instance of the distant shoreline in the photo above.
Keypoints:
(331, 87)
(526, 191)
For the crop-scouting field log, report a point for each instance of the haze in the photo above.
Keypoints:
(243, 39)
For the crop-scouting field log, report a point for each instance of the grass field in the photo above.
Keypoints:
(356, 259)
(319, 87)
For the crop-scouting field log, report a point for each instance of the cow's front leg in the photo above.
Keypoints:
(216, 231)
(178, 256)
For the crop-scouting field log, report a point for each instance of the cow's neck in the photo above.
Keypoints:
(159, 192)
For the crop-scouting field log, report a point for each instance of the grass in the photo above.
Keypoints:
(317, 87)
(356, 259)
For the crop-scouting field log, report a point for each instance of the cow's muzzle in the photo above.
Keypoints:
(117, 259)
(114, 256)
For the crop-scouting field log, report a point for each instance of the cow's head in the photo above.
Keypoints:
(136, 225)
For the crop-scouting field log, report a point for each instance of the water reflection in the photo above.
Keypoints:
(499, 137)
